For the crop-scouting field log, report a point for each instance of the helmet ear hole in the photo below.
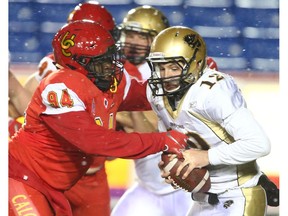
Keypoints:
(82, 60)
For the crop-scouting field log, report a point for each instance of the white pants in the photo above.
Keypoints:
(139, 201)
(236, 202)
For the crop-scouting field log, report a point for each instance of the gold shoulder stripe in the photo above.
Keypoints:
(244, 171)
(219, 131)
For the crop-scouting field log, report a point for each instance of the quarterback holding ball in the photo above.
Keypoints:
(208, 106)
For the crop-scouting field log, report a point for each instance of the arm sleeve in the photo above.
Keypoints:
(228, 108)
(250, 142)
(45, 67)
(79, 129)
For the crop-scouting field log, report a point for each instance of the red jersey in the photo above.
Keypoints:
(69, 121)
(132, 70)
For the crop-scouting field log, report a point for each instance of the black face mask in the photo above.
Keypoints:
(103, 85)
(104, 71)
(133, 55)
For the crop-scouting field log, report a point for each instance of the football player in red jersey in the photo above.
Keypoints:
(91, 194)
(71, 119)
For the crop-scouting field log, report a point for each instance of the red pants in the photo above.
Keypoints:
(90, 195)
(25, 200)
(31, 196)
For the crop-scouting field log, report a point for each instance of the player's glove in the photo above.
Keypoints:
(211, 63)
(15, 125)
(272, 192)
(176, 142)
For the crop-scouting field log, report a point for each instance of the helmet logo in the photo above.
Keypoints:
(66, 43)
(192, 40)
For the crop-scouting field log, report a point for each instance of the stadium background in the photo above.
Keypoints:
(241, 35)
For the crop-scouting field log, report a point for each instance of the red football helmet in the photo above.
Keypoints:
(87, 47)
(92, 10)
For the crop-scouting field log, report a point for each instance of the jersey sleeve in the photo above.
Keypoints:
(65, 114)
(226, 106)
(223, 99)
(79, 129)
(68, 101)
(45, 67)
(250, 140)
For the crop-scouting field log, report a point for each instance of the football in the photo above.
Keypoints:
(197, 181)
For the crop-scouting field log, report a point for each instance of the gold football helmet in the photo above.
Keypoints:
(145, 20)
(180, 45)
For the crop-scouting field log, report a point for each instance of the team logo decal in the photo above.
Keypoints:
(192, 40)
(228, 203)
(66, 43)
(105, 103)
(192, 105)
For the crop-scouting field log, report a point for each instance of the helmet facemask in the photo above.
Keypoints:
(181, 82)
(134, 52)
(146, 21)
(115, 32)
(105, 71)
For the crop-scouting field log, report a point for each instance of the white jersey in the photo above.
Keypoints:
(214, 113)
(150, 194)
(147, 170)
(145, 71)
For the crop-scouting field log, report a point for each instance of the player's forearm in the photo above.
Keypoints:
(31, 84)
(18, 96)
(141, 123)
(124, 120)
(13, 112)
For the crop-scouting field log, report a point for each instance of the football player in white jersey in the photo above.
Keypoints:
(149, 195)
(209, 107)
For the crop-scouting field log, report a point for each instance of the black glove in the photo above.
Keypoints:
(272, 192)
